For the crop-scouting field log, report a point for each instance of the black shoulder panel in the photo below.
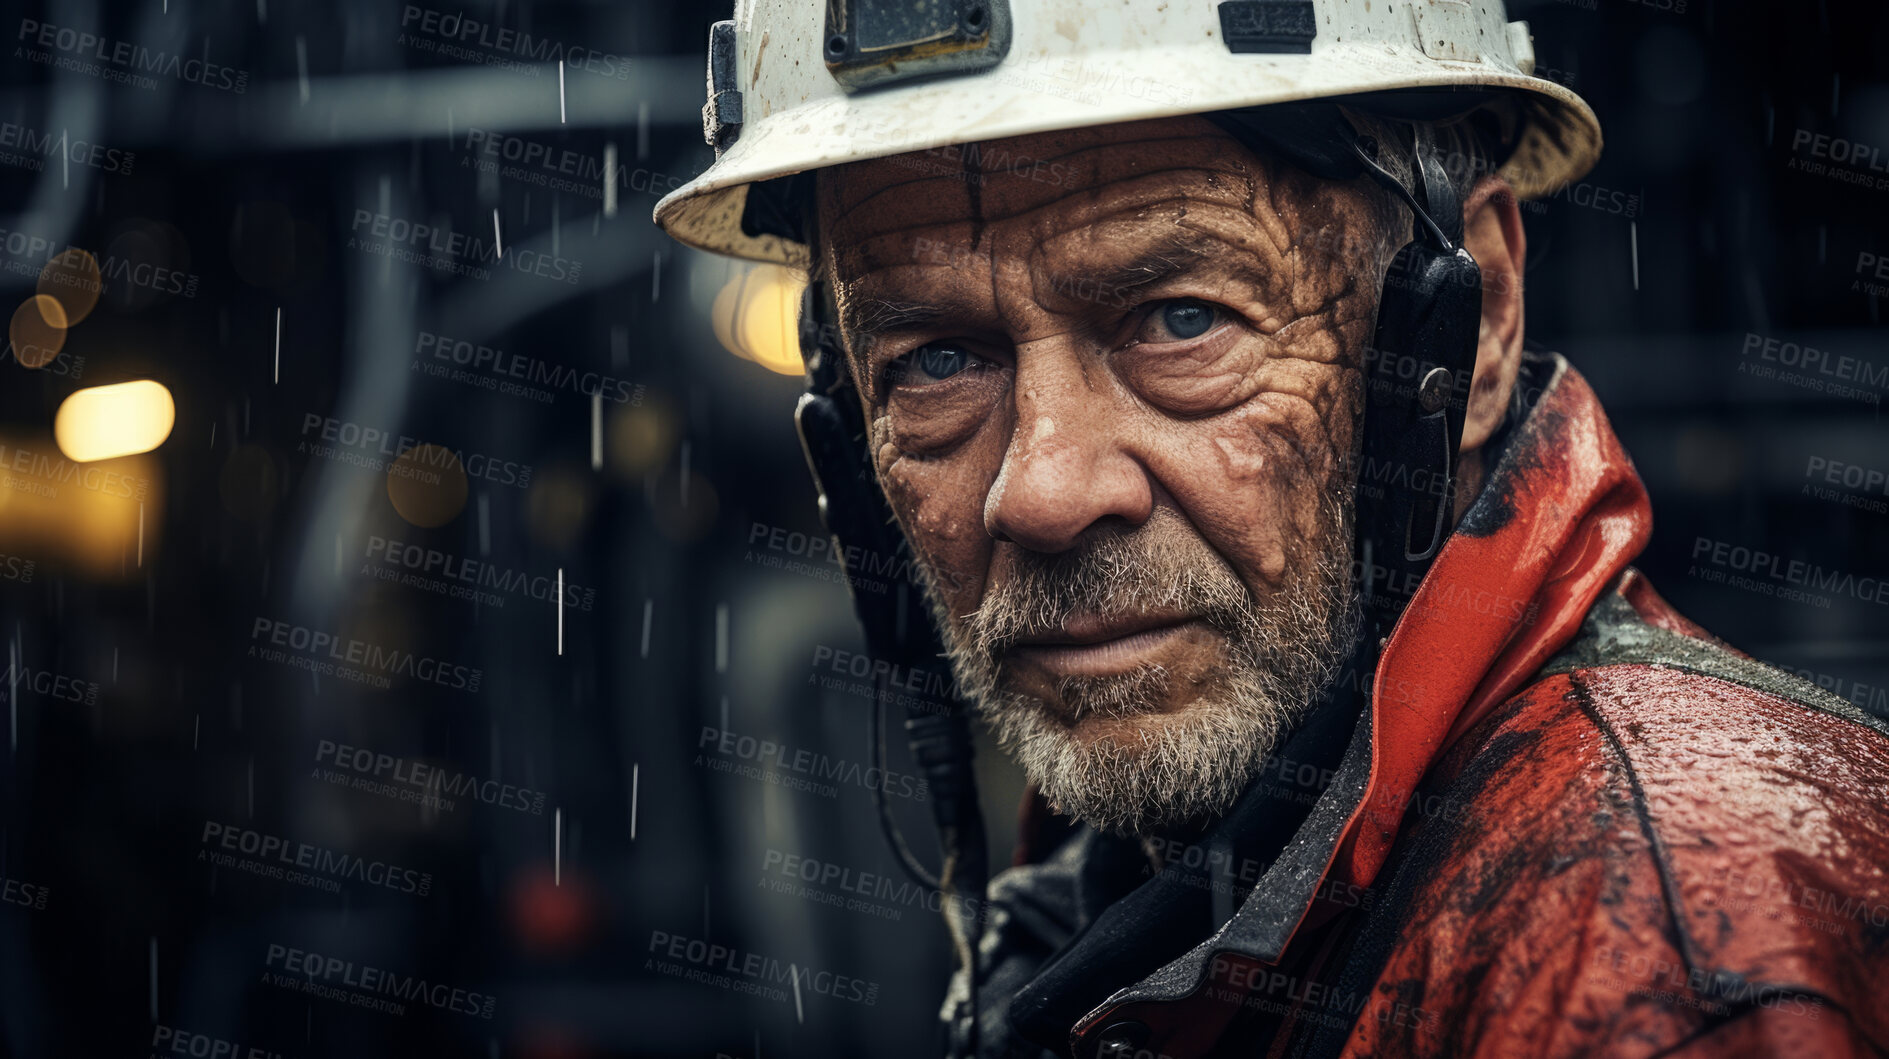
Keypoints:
(1614, 634)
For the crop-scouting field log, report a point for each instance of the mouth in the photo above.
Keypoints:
(1090, 646)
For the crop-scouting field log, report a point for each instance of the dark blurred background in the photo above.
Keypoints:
(305, 757)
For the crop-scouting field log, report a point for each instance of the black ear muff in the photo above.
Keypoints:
(1417, 373)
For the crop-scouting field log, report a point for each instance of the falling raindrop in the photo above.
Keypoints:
(1633, 233)
(301, 66)
(610, 178)
(596, 430)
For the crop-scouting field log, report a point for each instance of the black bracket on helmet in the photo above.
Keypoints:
(722, 114)
(868, 43)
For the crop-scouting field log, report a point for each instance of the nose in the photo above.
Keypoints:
(1068, 466)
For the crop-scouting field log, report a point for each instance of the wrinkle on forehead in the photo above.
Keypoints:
(1070, 158)
(861, 200)
(878, 214)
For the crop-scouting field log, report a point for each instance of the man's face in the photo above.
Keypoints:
(1111, 412)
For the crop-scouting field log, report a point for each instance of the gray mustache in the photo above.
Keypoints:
(1108, 577)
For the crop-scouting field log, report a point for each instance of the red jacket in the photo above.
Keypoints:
(1570, 823)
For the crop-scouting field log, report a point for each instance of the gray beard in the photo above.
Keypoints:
(1189, 766)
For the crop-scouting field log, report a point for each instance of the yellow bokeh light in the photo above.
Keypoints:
(73, 278)
(37, 331)
(100, 422)
(757, 316)
(103, 518)
(427, 485)
(642, 436)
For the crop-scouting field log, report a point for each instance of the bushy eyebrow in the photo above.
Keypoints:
(1169, 256)
(867, 318)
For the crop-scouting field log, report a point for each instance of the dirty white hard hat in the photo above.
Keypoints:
(796, 85)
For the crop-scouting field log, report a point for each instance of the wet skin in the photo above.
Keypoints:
(1164, 342)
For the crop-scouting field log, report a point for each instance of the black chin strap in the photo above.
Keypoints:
(1417, 376)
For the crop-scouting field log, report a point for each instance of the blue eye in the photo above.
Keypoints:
(1187, 319)
(932, 362)
(942, 362)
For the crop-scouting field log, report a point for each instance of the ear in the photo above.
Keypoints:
(1492, 233)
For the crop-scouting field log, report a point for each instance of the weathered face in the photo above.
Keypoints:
(1111, 377)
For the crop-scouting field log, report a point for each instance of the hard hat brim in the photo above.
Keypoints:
(1559, 143)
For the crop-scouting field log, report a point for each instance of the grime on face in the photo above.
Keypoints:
(1111, 414)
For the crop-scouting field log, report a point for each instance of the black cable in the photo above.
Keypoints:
(875, 735)
(964, 937)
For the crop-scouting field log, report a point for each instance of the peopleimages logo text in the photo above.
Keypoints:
(334, 971)
(125, 59)
(478, 572)
(378, 442)
(28, 254)
(318, 643)
(1760, 563)
(432, 779)
(457, 28)
(37, 145)
(498, 363)
(1807, 358)
(442, 248)
(276, 852)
